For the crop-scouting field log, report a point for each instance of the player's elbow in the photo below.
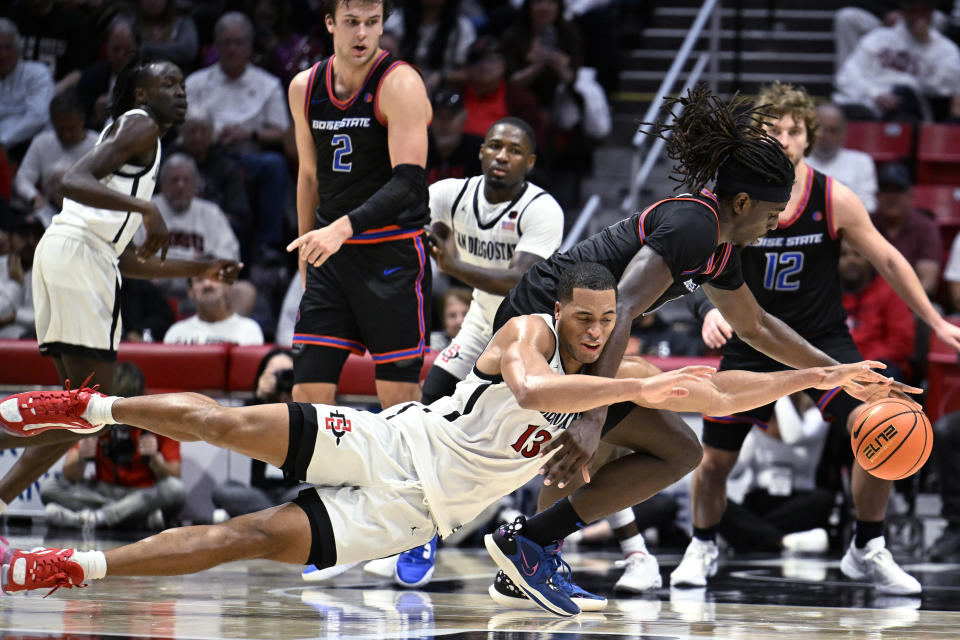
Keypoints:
(529, 395)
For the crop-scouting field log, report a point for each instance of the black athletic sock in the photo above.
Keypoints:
(867, 531)
(707, 534)
(554, 523)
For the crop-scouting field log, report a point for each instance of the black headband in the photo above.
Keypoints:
(756, 191)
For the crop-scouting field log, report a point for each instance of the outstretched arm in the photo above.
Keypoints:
(132, 267)
(852, 219)
(522, 348)
(729, 392)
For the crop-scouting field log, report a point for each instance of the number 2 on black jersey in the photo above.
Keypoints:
(342, 147)
(780, 267)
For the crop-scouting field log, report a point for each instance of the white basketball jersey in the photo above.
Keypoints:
(478, 445)
(116, 228)
(488, 235)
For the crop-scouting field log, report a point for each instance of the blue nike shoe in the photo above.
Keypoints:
(415, 567)
(506, 594)
(531, 567)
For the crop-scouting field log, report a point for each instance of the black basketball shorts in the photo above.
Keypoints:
(366, 297)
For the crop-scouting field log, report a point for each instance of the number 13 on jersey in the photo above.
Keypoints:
(342, 147)
(528, 444)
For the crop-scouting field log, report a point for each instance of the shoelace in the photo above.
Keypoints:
(635, 557)
(54, 402)
(562, 574)
(877, 556)
(49, 569)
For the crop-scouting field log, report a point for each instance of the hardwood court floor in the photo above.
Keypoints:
(782, 598)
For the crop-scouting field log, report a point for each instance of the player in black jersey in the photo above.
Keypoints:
(793, 274)
(361, 120)
(668, 250)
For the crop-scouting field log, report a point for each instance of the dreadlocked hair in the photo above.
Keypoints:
(129, 78)
(709, 133)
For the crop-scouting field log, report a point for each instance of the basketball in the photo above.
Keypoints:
(892, 439)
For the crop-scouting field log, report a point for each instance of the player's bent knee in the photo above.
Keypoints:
(218, 423)
(717, 463)
(690, 456)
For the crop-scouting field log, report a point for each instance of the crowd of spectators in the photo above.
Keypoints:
(227, 183)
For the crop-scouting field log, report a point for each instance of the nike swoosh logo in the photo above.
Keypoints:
(387, 272)
(526, 568)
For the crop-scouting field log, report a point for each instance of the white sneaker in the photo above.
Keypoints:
(876, 564)
(642, 572)
(699, 563)
(809, 541)
(310, 573)
(383, 567)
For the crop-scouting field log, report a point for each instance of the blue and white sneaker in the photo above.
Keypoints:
(505, 593)
(531, 567)
(415, 567)
(312, 574)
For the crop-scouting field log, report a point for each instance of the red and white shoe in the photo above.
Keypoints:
(33, 412)
(39, 568)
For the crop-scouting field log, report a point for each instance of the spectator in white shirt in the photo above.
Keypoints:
(64, 144)
(851, 167)
(250, 116)
(16, 294)
(26, 89)
(214, 323)
(197, 228)
(895, 71)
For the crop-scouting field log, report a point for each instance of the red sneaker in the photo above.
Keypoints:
(33, 412)
(40, 569)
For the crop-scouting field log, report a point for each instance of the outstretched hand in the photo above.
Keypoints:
(223, 270)
(669, 384)
(574, 448)
(859, 373)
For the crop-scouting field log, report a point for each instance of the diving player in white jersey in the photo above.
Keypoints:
(82, 255)
(389, 481)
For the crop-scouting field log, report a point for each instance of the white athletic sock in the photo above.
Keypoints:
(100, 410)
(3, 506)
(94, 564)
(633, 544)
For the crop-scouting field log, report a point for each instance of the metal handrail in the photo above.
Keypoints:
(641, 170)
(586, 214)
(674, 72)
(653, 154)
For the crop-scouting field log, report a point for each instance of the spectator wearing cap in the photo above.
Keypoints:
(914, 233)
(16, 268)
(452, 153)
(64, 144)
(26, 88)
(489, 96)
(851, 167)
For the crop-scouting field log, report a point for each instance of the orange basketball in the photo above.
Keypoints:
(891, 439)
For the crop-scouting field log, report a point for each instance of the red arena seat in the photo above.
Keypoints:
(882, 141)
(938, 154)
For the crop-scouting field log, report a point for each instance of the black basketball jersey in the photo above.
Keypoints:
(792, 271)
(353, 156)
(684, 231)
